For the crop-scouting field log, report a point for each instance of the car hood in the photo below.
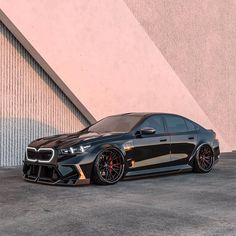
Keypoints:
(67, 140)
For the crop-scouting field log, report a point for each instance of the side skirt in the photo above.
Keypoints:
(159, 171)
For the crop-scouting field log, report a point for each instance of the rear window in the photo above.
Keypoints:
(190, 125)
(176, 124)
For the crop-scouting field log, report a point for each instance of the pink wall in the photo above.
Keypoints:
(198, 40)
(106, 58)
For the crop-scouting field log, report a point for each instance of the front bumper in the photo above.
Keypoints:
(55, 175)
(216, 150)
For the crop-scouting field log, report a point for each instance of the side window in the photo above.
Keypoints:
(190, 125)
(154, 122)
(176, 124)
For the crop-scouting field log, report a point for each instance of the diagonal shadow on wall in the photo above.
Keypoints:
(198, 40)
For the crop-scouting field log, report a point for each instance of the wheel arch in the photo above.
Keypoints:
(201, 144)
(103, 147)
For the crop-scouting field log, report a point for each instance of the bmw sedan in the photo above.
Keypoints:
(120, 147)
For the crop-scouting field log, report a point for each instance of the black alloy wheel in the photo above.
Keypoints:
(204, 160)
(109, 167)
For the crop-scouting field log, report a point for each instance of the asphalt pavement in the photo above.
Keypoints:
(180, 204)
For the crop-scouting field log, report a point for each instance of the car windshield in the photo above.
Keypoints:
(122, 124)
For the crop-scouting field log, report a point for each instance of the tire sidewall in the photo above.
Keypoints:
(197, 160)
(97, 172)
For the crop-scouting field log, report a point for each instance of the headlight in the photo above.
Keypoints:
(79, 149)
(75, 150)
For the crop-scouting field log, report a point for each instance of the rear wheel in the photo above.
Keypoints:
(204, 159)
(109, 167)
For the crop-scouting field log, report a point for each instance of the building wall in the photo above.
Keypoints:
(198, 40)
(140, 55)
(31, 104)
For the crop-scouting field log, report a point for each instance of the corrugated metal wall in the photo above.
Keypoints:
(31, 104)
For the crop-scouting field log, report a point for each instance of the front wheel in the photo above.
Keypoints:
(108, 167)
(204, 159)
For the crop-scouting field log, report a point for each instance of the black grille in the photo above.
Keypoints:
(32, 154)
(41, 173)
(42, 155)
(45, 155)
(33, 172)
(48, 174)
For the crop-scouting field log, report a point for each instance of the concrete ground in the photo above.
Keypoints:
(183, 204)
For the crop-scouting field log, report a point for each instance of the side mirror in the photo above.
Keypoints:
(145, 131)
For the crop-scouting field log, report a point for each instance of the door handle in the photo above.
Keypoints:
(190, 137)
(163, 140)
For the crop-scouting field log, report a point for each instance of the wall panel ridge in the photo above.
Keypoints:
(31, 104)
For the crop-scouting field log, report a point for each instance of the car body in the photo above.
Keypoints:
(122, 146)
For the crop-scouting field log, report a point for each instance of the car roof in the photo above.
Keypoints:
(145, 114)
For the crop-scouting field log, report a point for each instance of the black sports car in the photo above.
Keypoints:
(122, 146)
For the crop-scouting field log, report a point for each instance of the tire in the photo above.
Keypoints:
(204, 159)
(108, 167)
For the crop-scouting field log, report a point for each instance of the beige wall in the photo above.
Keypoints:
(198, 39)
(31, 105)
(133, 55)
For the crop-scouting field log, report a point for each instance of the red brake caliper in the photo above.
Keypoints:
(110, 164)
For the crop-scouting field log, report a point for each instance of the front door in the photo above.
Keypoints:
(151, 151)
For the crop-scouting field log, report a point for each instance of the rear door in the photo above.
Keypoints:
(183, 138)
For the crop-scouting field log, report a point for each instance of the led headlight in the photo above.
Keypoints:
(64, 151)
(79, 149)
(75, 150)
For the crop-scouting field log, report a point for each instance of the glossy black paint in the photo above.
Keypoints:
(145, 153)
